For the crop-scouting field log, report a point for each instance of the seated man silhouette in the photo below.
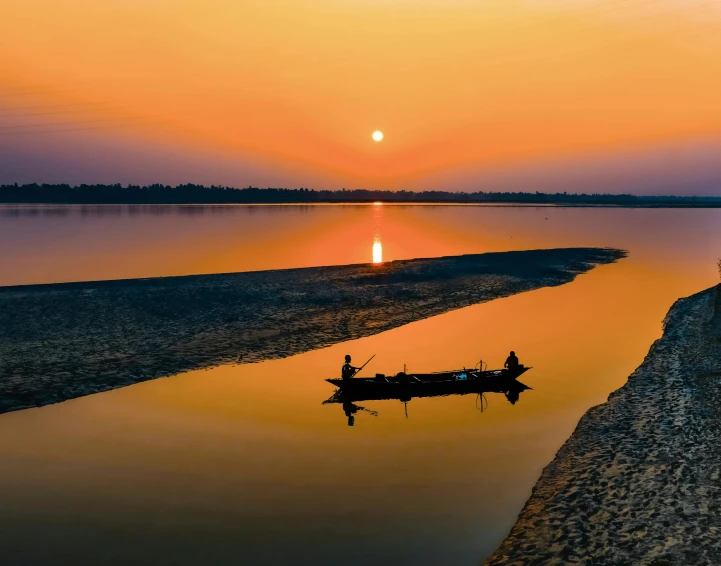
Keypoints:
(512, 362)
(348, 371)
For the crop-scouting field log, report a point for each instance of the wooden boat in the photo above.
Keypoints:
(405, 386)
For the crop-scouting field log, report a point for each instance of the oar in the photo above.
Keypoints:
(364, 365)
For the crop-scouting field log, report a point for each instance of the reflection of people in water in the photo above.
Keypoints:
(350, 409)
(512, 395)
(512, 362)
(348, 371)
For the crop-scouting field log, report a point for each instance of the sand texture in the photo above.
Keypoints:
(639, 481)
(58, 342)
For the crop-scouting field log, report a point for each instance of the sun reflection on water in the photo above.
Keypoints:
(377, 252)
(377, 246)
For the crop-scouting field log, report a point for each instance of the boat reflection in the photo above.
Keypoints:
(511, 388)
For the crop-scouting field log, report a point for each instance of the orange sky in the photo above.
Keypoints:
(293, 88)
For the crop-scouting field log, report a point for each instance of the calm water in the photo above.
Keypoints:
(244, 465)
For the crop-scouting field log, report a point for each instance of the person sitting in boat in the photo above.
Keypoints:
(348, 370)
(512, 362)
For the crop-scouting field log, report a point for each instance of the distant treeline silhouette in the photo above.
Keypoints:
(199, 194)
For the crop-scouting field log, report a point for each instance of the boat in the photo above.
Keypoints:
(405, 386)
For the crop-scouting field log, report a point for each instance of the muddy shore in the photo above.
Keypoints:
(639, 480)
(62, 341)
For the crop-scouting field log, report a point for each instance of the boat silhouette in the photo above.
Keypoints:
(405, 386)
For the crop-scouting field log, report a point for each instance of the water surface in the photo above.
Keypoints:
(242, 464)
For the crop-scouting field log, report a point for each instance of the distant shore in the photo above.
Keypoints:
(639, 481)
(62, 341)
(199, 194)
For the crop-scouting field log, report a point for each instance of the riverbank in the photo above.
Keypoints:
(62, 341)
(639, 480)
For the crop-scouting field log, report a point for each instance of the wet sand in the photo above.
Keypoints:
(62, 341)
(639, 481)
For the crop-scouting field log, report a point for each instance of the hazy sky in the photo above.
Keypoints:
(577, 95)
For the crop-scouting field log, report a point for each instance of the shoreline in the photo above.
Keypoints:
(66, 340)
(191, 194)
(494, 204)
(638, 481)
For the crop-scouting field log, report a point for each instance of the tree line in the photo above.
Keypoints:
(200, 194)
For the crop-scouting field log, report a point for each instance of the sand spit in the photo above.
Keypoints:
(639, 481)
(58, 342)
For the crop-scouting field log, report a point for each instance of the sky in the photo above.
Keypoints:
(570, 95)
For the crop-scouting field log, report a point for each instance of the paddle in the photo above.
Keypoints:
(364, 365)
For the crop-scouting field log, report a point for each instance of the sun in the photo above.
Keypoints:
(377, 136)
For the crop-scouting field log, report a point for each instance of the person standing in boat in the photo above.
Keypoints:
(348, 370)
(512, 362)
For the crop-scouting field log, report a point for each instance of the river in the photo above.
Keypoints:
(245, 465)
